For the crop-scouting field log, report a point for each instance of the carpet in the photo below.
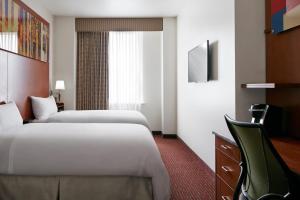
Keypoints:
(191, 178)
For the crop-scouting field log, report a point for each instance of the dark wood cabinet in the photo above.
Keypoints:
(224, 191)
(227, 168)
(228, 158)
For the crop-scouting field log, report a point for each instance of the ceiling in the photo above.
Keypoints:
(114, 8)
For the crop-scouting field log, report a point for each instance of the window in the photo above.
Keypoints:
(125, 70)
(9, 41)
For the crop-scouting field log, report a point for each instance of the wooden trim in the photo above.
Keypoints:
(31, 11)
(268, 26)
(268, 31)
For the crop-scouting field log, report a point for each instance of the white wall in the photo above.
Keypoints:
(250, 54)
(65, 58)
(152, 79)
(236, 31)
(169, 76)
(46, 14)
(201, 106)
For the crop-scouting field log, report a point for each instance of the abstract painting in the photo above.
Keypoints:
(285, 15)
(22, 31)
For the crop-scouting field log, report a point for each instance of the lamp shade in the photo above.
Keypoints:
(60, 85)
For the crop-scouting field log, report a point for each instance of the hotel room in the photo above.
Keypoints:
(149, 100)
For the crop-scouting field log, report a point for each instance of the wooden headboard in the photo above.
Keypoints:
(25, 77)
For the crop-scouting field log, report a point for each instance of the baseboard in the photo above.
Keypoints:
(160, 133)
(157, 132)
(169, 136)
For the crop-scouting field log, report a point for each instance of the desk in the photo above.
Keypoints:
(228, 158)
(289, 150)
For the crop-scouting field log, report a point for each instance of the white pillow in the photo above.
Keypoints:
(43, 107)
(10, 116)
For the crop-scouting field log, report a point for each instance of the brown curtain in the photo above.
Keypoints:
(118, 24)
(92, 71)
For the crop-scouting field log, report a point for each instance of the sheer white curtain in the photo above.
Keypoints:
(125, 70)
(9, 41)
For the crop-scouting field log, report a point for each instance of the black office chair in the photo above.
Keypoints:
(264, 175)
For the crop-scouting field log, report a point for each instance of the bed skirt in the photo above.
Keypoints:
(75, 188)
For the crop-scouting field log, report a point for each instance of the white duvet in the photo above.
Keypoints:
(97, 116)
(84, 149)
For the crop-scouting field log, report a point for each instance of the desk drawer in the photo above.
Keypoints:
(227, 169)
(229, 149)
(223, 191)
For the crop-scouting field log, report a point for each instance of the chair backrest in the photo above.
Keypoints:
(266, 172)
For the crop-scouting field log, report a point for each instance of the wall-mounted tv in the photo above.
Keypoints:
(198, 63)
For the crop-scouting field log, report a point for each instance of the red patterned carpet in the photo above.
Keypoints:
(191, 178)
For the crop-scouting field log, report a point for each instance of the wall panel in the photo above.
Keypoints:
(26, 77)
(3, 76)
(283, 63)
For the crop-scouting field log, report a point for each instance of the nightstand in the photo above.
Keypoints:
(60, 106)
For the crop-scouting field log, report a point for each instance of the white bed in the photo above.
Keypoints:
(82, 149)
(45, 111)
(96, 116)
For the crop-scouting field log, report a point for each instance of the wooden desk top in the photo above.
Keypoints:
(289, 150)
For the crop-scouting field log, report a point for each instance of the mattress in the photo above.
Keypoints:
(97, 116)
(82, 149)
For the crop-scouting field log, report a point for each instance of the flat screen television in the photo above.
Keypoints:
(198, 63)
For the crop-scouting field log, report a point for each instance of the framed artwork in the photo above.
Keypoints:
(22, 31)
(285, 15)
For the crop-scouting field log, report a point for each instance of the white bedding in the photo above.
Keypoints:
(97, 116)
(84, 149)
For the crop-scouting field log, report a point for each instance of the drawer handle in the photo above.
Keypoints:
(226, 198)
(226, 147)
(226, 169)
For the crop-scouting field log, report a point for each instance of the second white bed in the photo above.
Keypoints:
(97, 116)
